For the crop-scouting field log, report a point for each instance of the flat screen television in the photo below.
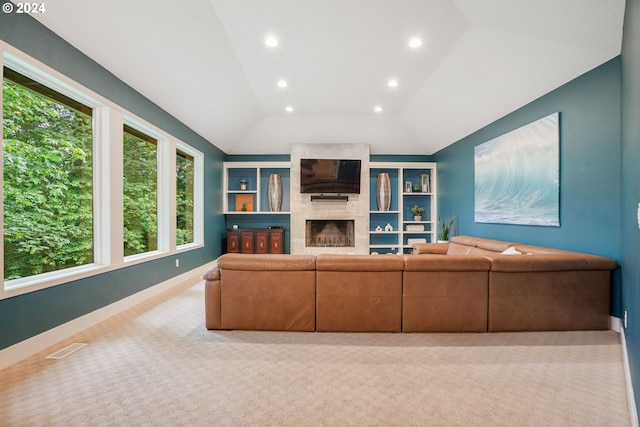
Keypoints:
(329, 176)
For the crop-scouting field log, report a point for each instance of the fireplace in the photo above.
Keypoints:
(330, 233)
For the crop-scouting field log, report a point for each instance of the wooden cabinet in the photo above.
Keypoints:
(247, 238)
(276, 241)
(233, 241)
(261, 241)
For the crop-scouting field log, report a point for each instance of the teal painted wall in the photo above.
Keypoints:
(631, 187)
(590, 163)
(30, 314)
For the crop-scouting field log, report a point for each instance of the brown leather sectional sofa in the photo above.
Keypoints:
(466, 285)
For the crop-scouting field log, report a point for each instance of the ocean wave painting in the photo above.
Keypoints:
(517, 176)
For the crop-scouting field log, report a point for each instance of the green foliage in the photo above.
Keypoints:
(48, 186)
(184, 195)
(417, 210)
(140, 195)
(445, 228)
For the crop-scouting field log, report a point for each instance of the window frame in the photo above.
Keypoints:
(108, 120)
(198, 196)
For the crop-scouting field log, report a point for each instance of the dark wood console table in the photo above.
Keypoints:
(256, 241)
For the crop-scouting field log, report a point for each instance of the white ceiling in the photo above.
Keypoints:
(206, 63)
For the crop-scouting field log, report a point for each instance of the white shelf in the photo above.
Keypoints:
(402, 201)
(417, 193)
(257, 175)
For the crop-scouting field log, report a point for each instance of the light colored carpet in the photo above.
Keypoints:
(157, 365)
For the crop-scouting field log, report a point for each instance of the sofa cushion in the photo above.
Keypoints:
(493, 245)
(430, 248)
(458, 249)
(281, 300)
(464, 240)
(548, 300)
(445, 293)
(445, 301)
(467, 245)
(358, 293)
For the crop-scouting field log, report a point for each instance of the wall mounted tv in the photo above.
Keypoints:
(329, 176)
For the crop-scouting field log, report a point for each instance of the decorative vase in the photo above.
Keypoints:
(275, 192)
(384, 191)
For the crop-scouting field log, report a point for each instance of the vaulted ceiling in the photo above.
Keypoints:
(206, 63)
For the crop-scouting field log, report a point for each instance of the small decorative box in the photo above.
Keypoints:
(415, 227)
(414, 241)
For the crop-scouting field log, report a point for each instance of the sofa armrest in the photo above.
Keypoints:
(212, 298)
(212, 274)
(430, 248)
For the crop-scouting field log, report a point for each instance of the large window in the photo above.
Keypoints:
(87, 187)
(47, 179)
(185, 179)
(140, 202)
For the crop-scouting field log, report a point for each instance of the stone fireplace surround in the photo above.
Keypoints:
(356, 209)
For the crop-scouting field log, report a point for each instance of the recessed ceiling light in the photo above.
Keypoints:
(415, 43)
(392, 83)
(289, 109)
(378, 109)
(282, 83)
(271, 41)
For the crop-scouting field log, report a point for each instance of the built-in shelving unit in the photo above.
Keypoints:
(399, 217)
(254, 199)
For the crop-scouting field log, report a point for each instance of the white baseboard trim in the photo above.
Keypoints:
(631, 401)
(615, 324)
(44, 340)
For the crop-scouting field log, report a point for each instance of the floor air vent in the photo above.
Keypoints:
(66, 351)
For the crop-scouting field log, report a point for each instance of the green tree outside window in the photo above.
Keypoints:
(48, 181)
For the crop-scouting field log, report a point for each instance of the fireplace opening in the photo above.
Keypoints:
(330, 233)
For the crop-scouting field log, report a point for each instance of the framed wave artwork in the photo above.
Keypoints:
(517, 176)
